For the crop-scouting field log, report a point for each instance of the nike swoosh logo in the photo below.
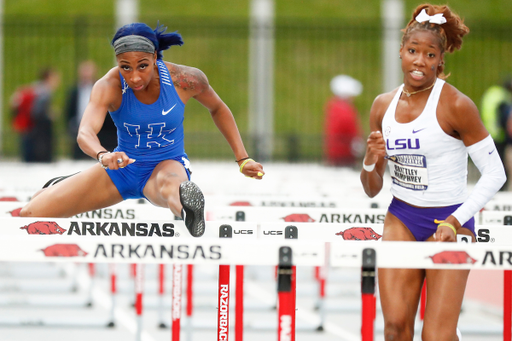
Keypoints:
(168, 111)
(417, 131)
(492, 151)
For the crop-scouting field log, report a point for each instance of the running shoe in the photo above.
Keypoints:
(192, 200)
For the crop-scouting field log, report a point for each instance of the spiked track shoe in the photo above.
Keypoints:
(192, 200)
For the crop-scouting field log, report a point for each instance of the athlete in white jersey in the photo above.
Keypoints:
(424, 131)
(418, 152)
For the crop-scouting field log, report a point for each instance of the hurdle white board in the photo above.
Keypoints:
(253, 252)
(154, 228)
(296, 214)
(302, 201)
(203, 251)
(164, 229)
(413, 255)
(135, 211)
(126, 210)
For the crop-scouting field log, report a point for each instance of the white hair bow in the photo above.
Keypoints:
(434, 19)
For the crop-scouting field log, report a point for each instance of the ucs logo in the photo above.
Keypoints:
(243, 231)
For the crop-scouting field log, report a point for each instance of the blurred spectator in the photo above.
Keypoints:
(77, 100)
(496, 106)
(343, 142)
(33, 119)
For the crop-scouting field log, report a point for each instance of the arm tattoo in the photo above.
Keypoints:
(188, 78)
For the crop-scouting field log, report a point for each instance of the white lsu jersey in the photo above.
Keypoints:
(428, 167)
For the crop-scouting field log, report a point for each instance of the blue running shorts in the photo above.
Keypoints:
(131, 180)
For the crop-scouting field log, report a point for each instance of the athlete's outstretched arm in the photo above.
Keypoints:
(375, 149)
(225, 121)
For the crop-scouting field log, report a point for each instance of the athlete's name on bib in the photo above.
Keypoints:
(409, 175)
(409, 171)
(409, 160)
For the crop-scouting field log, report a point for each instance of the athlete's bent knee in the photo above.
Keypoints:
(168, 186)
(397, 331)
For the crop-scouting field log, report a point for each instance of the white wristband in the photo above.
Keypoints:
(100, 160)
(369, 168)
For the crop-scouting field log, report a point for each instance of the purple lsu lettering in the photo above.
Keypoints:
(399, 144)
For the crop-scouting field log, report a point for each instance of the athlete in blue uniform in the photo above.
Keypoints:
(145, 97)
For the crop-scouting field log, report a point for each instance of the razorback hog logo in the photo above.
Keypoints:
(359, 233)
(298, 218)
(43, 227)
(240, 203)
(64, 250)
(15, 212)
(452, 257)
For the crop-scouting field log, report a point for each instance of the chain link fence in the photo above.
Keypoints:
(308, 53)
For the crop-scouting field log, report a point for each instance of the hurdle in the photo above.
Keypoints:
(299, 201)
(218, 251)
(279, 231)
(321, 212)
(122, 250)
(135, 211)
